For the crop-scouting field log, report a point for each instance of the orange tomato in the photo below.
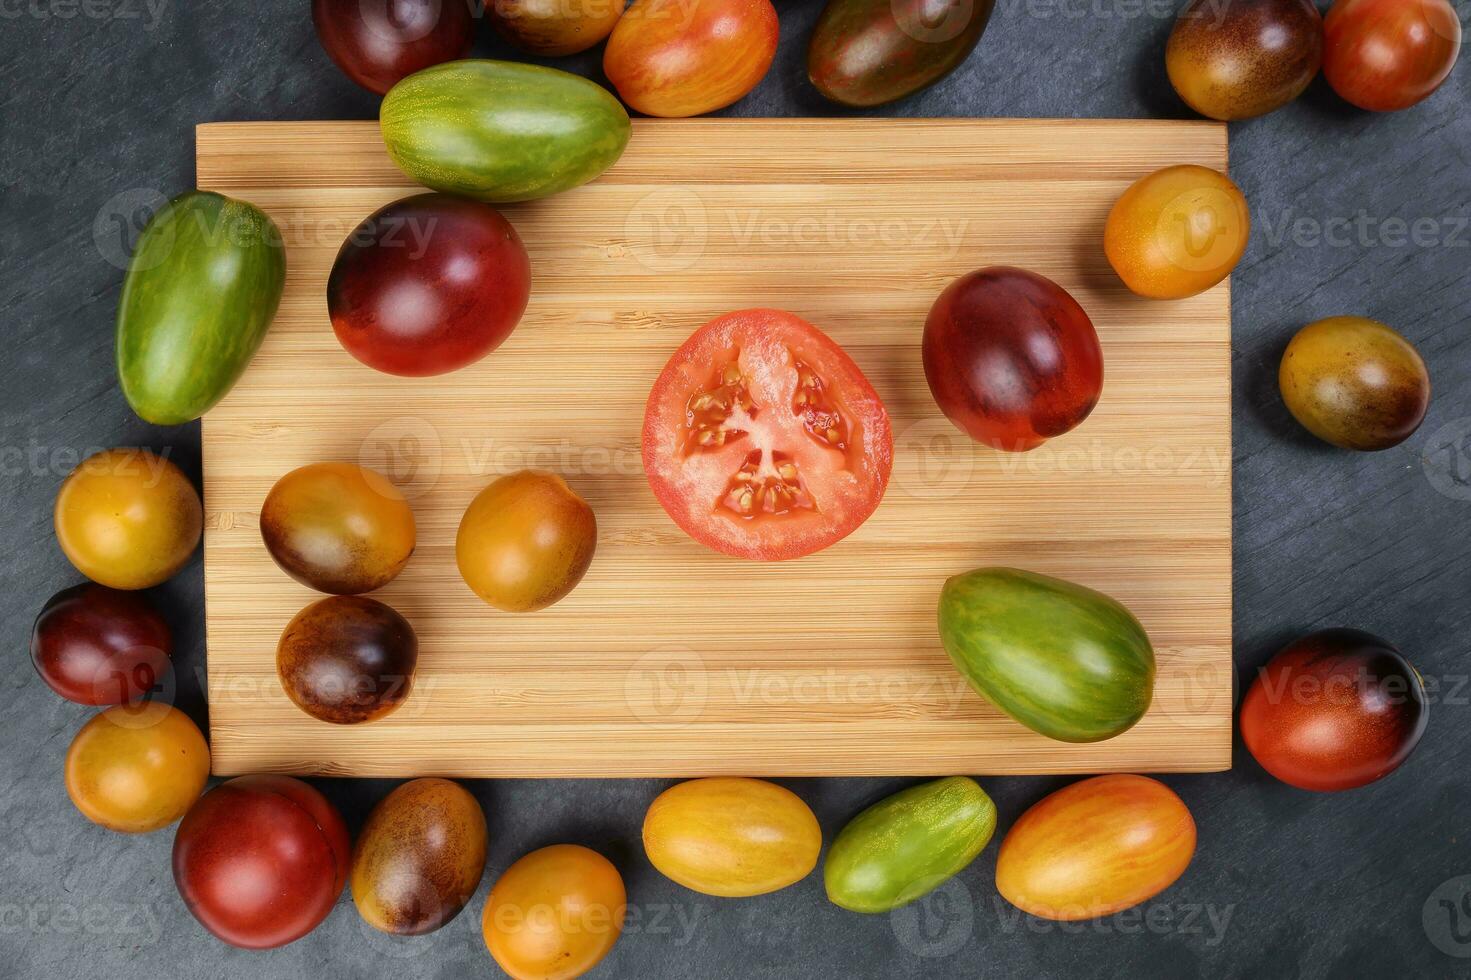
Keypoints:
(1095, 848)
(137, 768)
(1177, 232)
(731, 837)
(555, 913)
(689, 57)
(127, 518)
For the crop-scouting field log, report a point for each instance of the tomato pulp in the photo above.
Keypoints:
(763, 439)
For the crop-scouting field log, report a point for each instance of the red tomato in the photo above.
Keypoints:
(428, 285)
(1385, 55)
(377, 44)
(261, 860)
(95, 645)
(763, 439)
(1337, 709)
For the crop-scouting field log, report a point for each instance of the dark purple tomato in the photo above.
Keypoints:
(378, 42)
(261, 860)
(1338, 708)
(347, 659)
(1012, 358)
(95, 645)
(428, 285)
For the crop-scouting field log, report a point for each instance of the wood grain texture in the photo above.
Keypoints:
(670, 660)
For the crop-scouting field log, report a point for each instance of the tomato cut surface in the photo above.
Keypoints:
(763, 439)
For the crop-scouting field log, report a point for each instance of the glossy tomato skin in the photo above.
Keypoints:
(338, 528)
(1011, 358)
(822, 451)
(1355, 383)
(554, 914)
(347, 659)
(1096, 847)
(1335, 710)
(261, 860)
(689, 57)
(731, 837)
(428, 284)
(1244, 59)
(137, 768)
(1386, 55)
(377, 44)
(552, 28)
(526, 541)
(95, 645)
(1177, 232)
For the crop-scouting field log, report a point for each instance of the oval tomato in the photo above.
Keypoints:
(763, 439)
(1386, 55)
(555, 913)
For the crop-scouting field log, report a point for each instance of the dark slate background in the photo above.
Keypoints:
(99, 102)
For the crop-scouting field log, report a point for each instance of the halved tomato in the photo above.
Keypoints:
(763, 439)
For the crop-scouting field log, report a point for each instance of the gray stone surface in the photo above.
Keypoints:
(98, 99)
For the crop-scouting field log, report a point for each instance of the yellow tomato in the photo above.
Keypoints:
(1177, 232)
(127, 518)
(731, 837)
(555, 913)
(137, 768)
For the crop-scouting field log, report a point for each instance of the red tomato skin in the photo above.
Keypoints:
(1011, 358)
(677, 58)
(378, 45)
(428, 284)
(667, 401)
(1386, 55)
(261, 860)
(1337, 709)
(95, 645)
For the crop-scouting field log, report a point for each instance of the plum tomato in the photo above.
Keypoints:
(347, 659)
(677, 58)
(136, 768)
(95, 645)
(128, 519)
(261, 860)
(1355, 383)
(554, 914)
(428, 284)
(552, 28)
(1336, 709)
(525, 541)
(377, 44)
(1177, 232)
(1011, 358)
(762, 439)
(1385, 55)
(337, 528)
(1244, 59)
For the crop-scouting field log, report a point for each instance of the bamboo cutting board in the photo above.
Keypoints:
(670, 660)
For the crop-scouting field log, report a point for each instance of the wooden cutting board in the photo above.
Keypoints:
(670, 660)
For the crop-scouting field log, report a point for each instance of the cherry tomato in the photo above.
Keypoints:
(128, 519)
(1177, 232)
(525, 541)
(763, 439)
(347, 659)
(1096, 847)
(1337, 709)
(377, 44)
(1012, 358)
(688, 57)
(1246, 58)
(554, 914)
(428, 284)
(1385, 55)
(95, 645)
(551, 28)
(731, 837)
(261, 860)
(338, 528)
(137, 768)
(1355, 383)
